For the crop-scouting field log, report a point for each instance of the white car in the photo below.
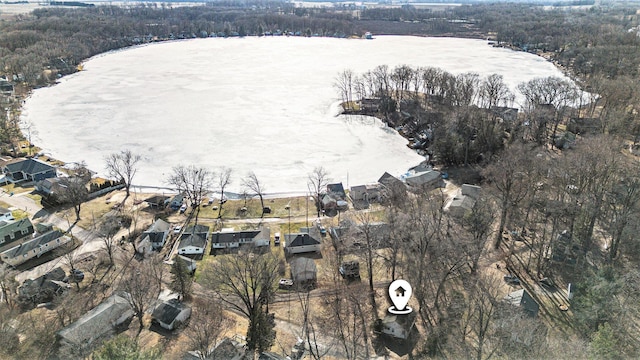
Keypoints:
(177, 229)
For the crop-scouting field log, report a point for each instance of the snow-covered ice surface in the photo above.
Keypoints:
(266, 105)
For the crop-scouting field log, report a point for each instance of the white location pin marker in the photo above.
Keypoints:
(400, 293)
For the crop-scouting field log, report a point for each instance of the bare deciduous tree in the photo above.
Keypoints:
(194, 182)
(253, 185)
(317, 183)
(75, 189)
(139, 281)
(224, 179)
(246, 283)
(207, 325)
(123, 166)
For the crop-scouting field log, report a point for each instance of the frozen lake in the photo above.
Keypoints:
(266, 105)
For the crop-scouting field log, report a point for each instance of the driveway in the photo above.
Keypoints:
(90, 241)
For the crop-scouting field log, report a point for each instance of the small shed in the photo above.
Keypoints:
(303, 271)
(171, 313)
(524, 300)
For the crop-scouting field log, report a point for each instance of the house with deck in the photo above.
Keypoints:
(30, 169)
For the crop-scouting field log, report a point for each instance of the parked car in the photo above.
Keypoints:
(75, 276)
(285, 284)
(276, 239)
(183, 208)
(177, 229)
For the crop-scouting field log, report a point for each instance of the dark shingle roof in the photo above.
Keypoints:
(229, 237)
(167, 311)
(202, 230)
(192, 240)
(29, 166)
(300, 240)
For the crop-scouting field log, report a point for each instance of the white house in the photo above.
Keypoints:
(399, 326)
(34, 248)
(154, 237)
(300, 243)
(192, 244)
(228, 238)
(171, 313)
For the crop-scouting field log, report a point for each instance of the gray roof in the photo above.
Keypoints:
(4, 210)
(9, 227)
(167, 311)
(202, 230)
(302, 269)
(159, 226)
(192, 240)
(32, 244)
(523, 299)
(29, 166)
(424, 177)
(336, 189)
(230, 237)
(470, 190)
(300, 240)
(98, 321)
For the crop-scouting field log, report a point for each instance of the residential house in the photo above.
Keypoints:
(28, 170)
(336, 191)
(50, 186)
(157, 201)
(524, 300)
(399, 326)
(392, 187)
(34, 248)
(200, 230)
(15, 230)
(171, 313)
(365, 193)
(300, 243)
(154, 237)
(228, 238)
(228, 349)
(507, 114)
(193, 240)
(425, 180)
(6, 215)
(176, 202)
(43, 288)
(99, 323)
(303, 272)
(192, 244)
(464, 201)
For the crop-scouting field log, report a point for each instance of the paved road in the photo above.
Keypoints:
(90, 241)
